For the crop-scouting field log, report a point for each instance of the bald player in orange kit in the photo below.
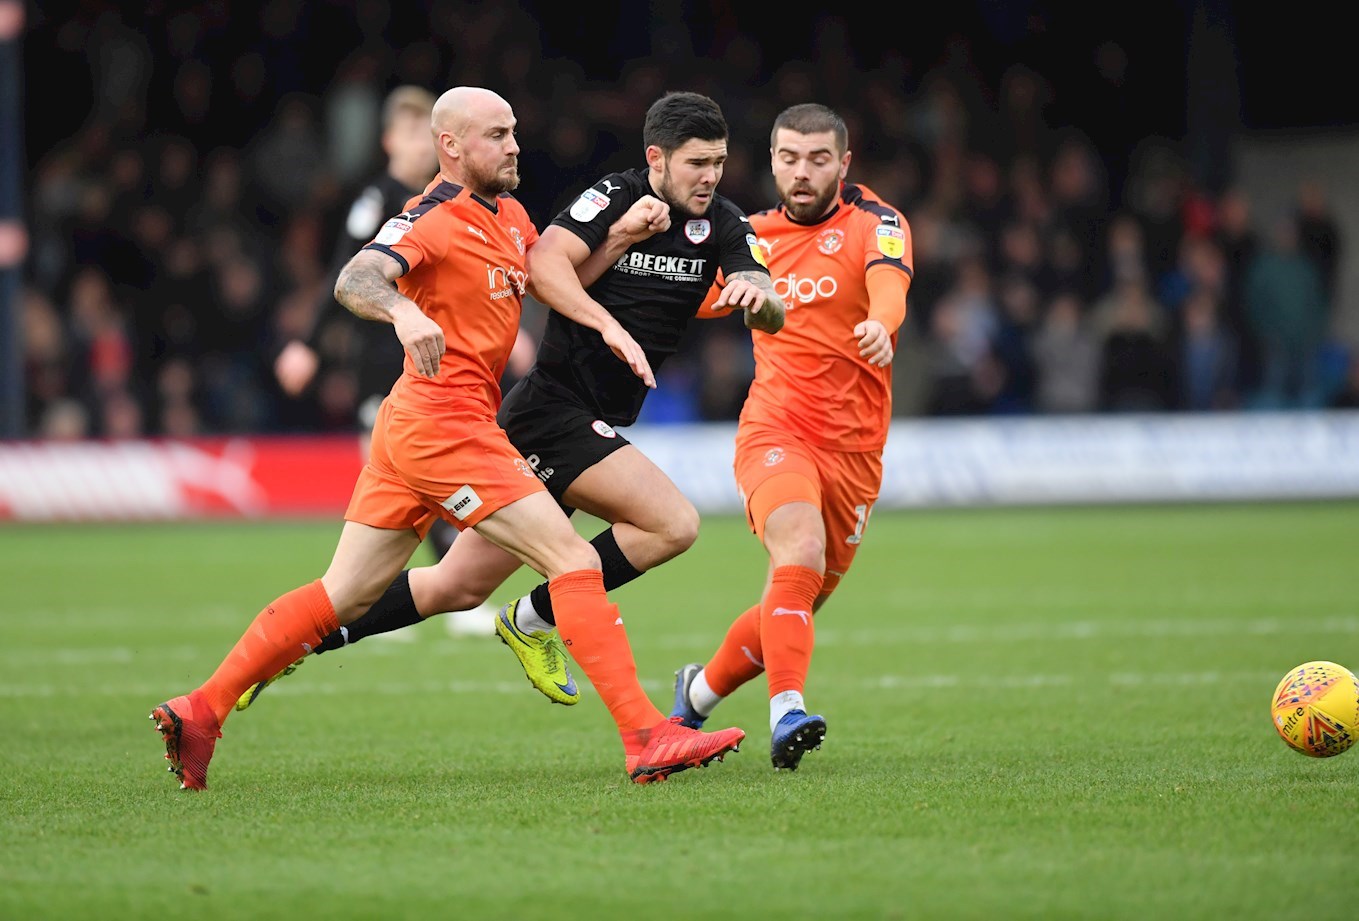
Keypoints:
(449, 274)
(810, 438)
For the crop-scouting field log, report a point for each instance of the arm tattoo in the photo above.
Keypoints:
(770, 317)
(364, 287)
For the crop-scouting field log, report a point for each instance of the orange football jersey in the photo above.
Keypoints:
(465, 266)
(809, 378)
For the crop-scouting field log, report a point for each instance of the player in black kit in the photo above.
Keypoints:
(645, 245)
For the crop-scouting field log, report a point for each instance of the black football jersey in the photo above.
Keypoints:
(653, 290)
(370, 348)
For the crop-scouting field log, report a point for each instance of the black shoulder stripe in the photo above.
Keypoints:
(444, 191)
(854, 195)
(895, 263)
(383, 248)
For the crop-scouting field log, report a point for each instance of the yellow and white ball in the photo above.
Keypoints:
(1316, 709)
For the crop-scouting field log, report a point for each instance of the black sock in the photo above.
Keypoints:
(394, 610)
(617, 571)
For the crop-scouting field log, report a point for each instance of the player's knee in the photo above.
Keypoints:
(461, 596)
(578, 555)
(681, 528)
(808, 550)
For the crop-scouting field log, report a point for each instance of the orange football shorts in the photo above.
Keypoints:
(774, 468)
(453, 462)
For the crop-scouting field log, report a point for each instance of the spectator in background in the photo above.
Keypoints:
(1236, 238)
(46, 363)
(965, 376)
(1136, 369)
(1286, 304)
(1319, 236)
(1208, 356)
(1066, 358)
(1012, 344)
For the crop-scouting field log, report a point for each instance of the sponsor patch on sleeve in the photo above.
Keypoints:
(393, 231)
(588, 206)
(756, 249)
(891, 241)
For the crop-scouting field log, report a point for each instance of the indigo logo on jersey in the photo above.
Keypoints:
(501, 278)
(795, 290)
(603, 429)
(698, 231)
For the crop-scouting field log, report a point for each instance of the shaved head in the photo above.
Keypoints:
(474, 132)
(459, 107)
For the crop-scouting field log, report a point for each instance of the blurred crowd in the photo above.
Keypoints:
(182, 236)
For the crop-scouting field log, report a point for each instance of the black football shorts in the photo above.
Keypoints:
(558, 435)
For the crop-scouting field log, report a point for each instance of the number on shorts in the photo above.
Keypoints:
(860, 519)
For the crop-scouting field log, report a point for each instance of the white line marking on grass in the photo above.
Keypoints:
(829, 635)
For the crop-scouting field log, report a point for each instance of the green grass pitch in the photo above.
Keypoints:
(1033, 714)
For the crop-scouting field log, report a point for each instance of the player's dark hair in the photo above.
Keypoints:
(678, 117)
(811, 118)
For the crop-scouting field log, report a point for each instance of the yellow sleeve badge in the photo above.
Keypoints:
(756, 250)
(891, 241)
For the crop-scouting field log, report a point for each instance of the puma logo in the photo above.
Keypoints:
(779, 612)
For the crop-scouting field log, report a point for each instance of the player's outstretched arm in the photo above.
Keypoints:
(365, 288)
(753, 292)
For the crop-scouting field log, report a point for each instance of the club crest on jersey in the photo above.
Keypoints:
(755, 251)
(603, 429)
(588, 206)
(774, 456)
(891, 241)
(830, 241)
(699, 230)
(518, 239)
(392, 231)
(522, 466)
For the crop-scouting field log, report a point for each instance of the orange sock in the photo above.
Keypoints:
(283, 632)
(593, 631)
(786, 632)
(739, 658)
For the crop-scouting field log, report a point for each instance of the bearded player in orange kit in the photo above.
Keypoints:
(811, 434)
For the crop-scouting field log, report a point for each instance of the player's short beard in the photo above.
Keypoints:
(668, 195)
(806, 213)
(490, 183)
